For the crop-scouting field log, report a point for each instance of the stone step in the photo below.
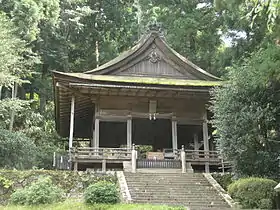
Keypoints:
(177, 198)
(179, 203)
(175, 180)
(192, 190)
(164, 188)
(173, 185)
(169, 181)
(174, 194)
(165, 175)
(154, 181)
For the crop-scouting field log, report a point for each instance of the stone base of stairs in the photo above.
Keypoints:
(127, 166)
(168, 187)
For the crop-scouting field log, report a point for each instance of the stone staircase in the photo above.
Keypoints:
(190, 190)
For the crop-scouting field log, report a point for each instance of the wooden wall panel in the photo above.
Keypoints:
(188, 108)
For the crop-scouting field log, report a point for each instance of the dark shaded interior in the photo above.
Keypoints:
(185, 135)
(112, 134)
(157, 133)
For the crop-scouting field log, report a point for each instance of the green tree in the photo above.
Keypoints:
(16, 61)
(246, 114)
(16, 150)
(191, 27)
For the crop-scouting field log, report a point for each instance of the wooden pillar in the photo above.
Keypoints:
(195, 141)
(133, 159)
(183, 159)
(129, 132)
(196, 145)
(76, 166)
(96, 126)
(93, 133)
(72, 113)
(174, 134)
(206, 142)
(96, 133)
(104, 166)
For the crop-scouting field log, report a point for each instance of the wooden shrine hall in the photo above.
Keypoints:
(149, 95)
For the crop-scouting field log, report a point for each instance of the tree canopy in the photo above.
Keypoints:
(246, 114)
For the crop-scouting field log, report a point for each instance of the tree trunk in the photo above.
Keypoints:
(21, 93)
(1, 91)
(97, 53)
(31, 97)
(43, 96)
(12, 114)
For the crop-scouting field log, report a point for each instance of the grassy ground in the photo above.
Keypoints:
(74, 205)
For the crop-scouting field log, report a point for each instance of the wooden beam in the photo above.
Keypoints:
(72, 114)
(189, 121)
(111, 118)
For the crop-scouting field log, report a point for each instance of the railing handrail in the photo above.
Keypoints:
(100, 153)
(202, 151)
(99, 148)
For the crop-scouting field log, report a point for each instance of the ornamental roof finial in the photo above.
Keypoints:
(155, 27)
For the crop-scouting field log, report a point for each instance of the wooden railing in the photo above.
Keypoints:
(159, 164)
(91, 153)
(203, 156)
(61, 161)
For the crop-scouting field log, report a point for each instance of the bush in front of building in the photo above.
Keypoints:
(224, 179)
(252, 193)
(102, 192)
(42, 191)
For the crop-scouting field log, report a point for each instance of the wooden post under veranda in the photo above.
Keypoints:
(206, 143)
(72, 114)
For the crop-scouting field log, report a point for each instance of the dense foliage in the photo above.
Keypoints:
(246, 114)
(102, 192)
(254, 193)
(16, 150)
(224, 179)
(70, 182)
(43, 191)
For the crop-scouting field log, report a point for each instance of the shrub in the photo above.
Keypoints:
(254, 192)
(102, 192)
(11, 180)
(40, 192)
(143, 149)
(223, 179)
(16, 150)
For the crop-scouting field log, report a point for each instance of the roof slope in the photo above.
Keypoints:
(152, 57)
